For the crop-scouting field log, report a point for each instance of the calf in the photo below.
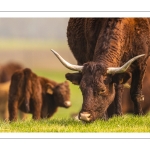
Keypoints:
(36, 95)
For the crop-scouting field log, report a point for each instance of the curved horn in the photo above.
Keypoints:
(66, 64)
(113, 70)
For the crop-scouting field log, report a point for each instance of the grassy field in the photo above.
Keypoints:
(62, 121)
(127, 124)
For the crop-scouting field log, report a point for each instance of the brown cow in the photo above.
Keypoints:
(108, 52)
(36, 95)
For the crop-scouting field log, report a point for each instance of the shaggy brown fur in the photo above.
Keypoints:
(36, 95)
(4, 114)
(99, 43)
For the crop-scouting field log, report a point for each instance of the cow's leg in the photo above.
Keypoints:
(13, 110)
(118, 99)
(136, 89)
(27, 103)
(37, 105)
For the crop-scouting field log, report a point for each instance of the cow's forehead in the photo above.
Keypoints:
(95, 69)
(94, 75)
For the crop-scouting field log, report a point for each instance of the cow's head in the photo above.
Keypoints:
(96, 82)
(61, 93)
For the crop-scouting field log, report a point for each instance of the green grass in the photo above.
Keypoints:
(127, 124)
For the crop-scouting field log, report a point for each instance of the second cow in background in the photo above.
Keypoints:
(7, 70)
(36, 95)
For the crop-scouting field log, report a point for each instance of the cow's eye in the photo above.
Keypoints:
(102, 91)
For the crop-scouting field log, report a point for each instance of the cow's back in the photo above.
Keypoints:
(17, 81)
(31, 91)
(88, 38)
(82, 34)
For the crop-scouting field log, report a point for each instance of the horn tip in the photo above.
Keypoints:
(53, 51)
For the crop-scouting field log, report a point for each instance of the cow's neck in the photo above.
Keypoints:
(109, 59)
(110, 43)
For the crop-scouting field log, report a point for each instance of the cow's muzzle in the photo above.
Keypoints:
(67, 104)
(85, 116)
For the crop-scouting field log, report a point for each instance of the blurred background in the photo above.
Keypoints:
(28, 41)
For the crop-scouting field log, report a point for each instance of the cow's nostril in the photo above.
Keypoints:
(85, 116)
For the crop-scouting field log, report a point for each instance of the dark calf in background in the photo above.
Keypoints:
(36, 95)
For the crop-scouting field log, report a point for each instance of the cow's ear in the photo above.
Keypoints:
(49, 88)
(75, 78)
(121, 78)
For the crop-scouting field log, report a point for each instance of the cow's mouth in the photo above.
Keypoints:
(67, 104)
(91, 116)
(85, 116)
